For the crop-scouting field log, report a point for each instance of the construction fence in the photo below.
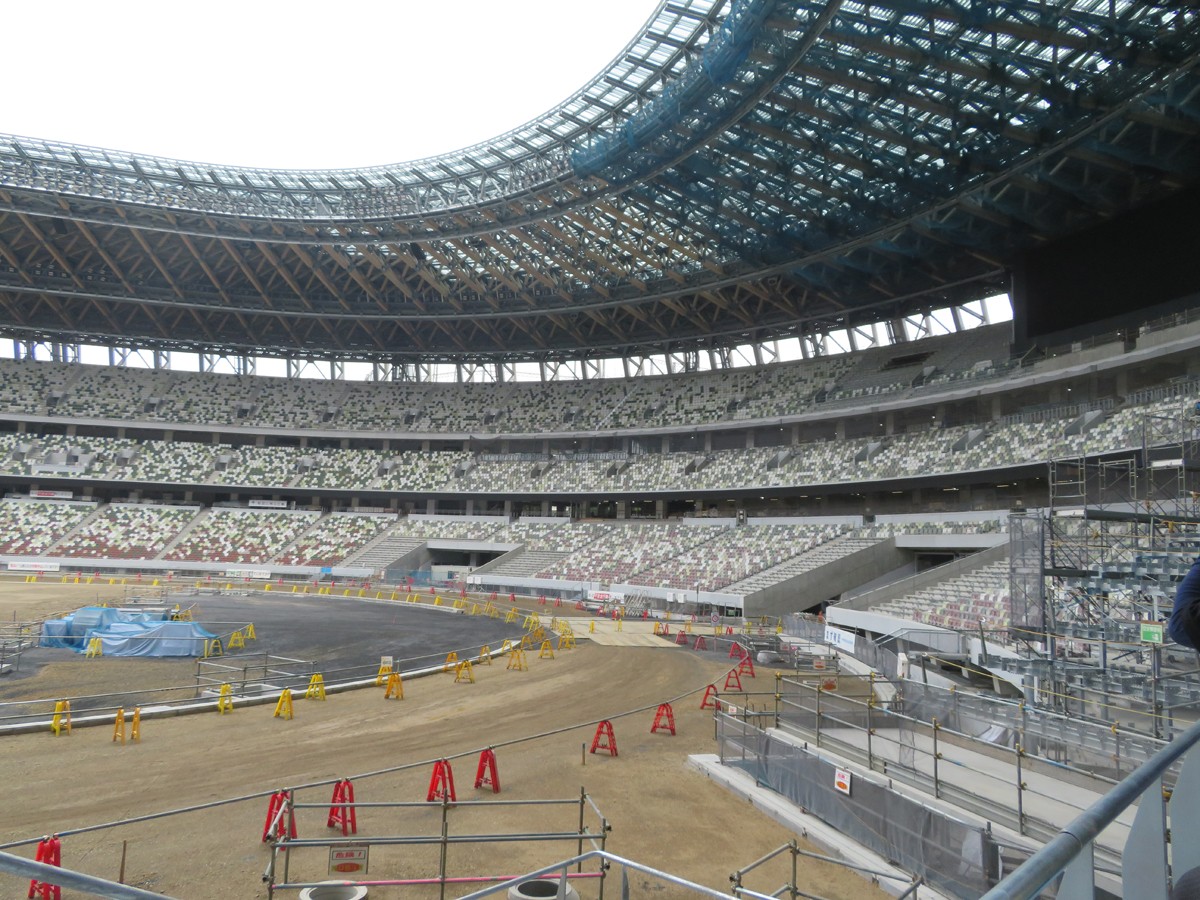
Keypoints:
(954, 856)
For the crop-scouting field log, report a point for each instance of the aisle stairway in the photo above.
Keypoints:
(184, 532)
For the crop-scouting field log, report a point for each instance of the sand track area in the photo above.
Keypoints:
(661, 812)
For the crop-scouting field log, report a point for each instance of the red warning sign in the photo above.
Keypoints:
(841, 780)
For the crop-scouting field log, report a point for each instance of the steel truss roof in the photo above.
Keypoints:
(741, 171)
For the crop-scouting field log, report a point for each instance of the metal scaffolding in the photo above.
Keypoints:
(1093, 577)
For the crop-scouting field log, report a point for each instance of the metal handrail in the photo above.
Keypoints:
(66, 878)
(610, 858)
(1028, 879)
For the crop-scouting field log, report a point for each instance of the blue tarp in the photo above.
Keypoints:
(55, 633)
(70, 631)
(125, 633)
(153, 639)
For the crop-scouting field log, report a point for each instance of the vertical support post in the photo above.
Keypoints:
(1079, 877)
(1156, 687)
(579, 845)
(764, 757)
(442, 852)
(287, 857)
(269, 874)
(1144, 860)
(937, 787)
(778, 695)
(1020, 752)
(818, 716)
(795, 872)
(870, 732)
(603, 863)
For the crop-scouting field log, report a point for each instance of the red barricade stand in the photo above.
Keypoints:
(746, 666)
(441, 783)
(485, 774)
(278, 801)
(49, 852)
(605, 739)
(342, 812)
(664, 719)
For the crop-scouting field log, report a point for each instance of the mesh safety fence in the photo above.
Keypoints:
(954, 856)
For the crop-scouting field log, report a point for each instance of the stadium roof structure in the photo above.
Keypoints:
(744, 170)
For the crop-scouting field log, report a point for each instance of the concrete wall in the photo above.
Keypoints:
(493, 563)
(929, 577)
(1166, 336)
(950, 541)
(55, 566)
(906, 570)
(414, 560)
(830, 580)
(966, 515)
(941, 639)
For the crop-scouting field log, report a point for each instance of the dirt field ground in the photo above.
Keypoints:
(661, 812)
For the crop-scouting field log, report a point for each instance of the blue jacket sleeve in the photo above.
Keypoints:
(1187, 595)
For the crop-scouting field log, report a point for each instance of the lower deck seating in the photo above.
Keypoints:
(242, 535)
(980, 597)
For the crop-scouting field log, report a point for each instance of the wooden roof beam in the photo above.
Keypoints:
(284, 273)
(306, 257)
(49, 247)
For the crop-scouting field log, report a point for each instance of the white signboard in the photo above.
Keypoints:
(843, 640)
(347, 860)
(841, 780)
(268, 504)
(604, 596)
(51, 495)
(262, 574)
(33, 567)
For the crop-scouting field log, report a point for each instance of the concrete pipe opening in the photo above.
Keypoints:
(539, 889)
(334, 891)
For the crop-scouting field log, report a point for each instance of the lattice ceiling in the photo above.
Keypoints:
(743, 170)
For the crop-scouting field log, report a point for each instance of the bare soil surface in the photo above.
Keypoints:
(661, 812)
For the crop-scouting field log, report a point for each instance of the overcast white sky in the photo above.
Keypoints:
(299, 84)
